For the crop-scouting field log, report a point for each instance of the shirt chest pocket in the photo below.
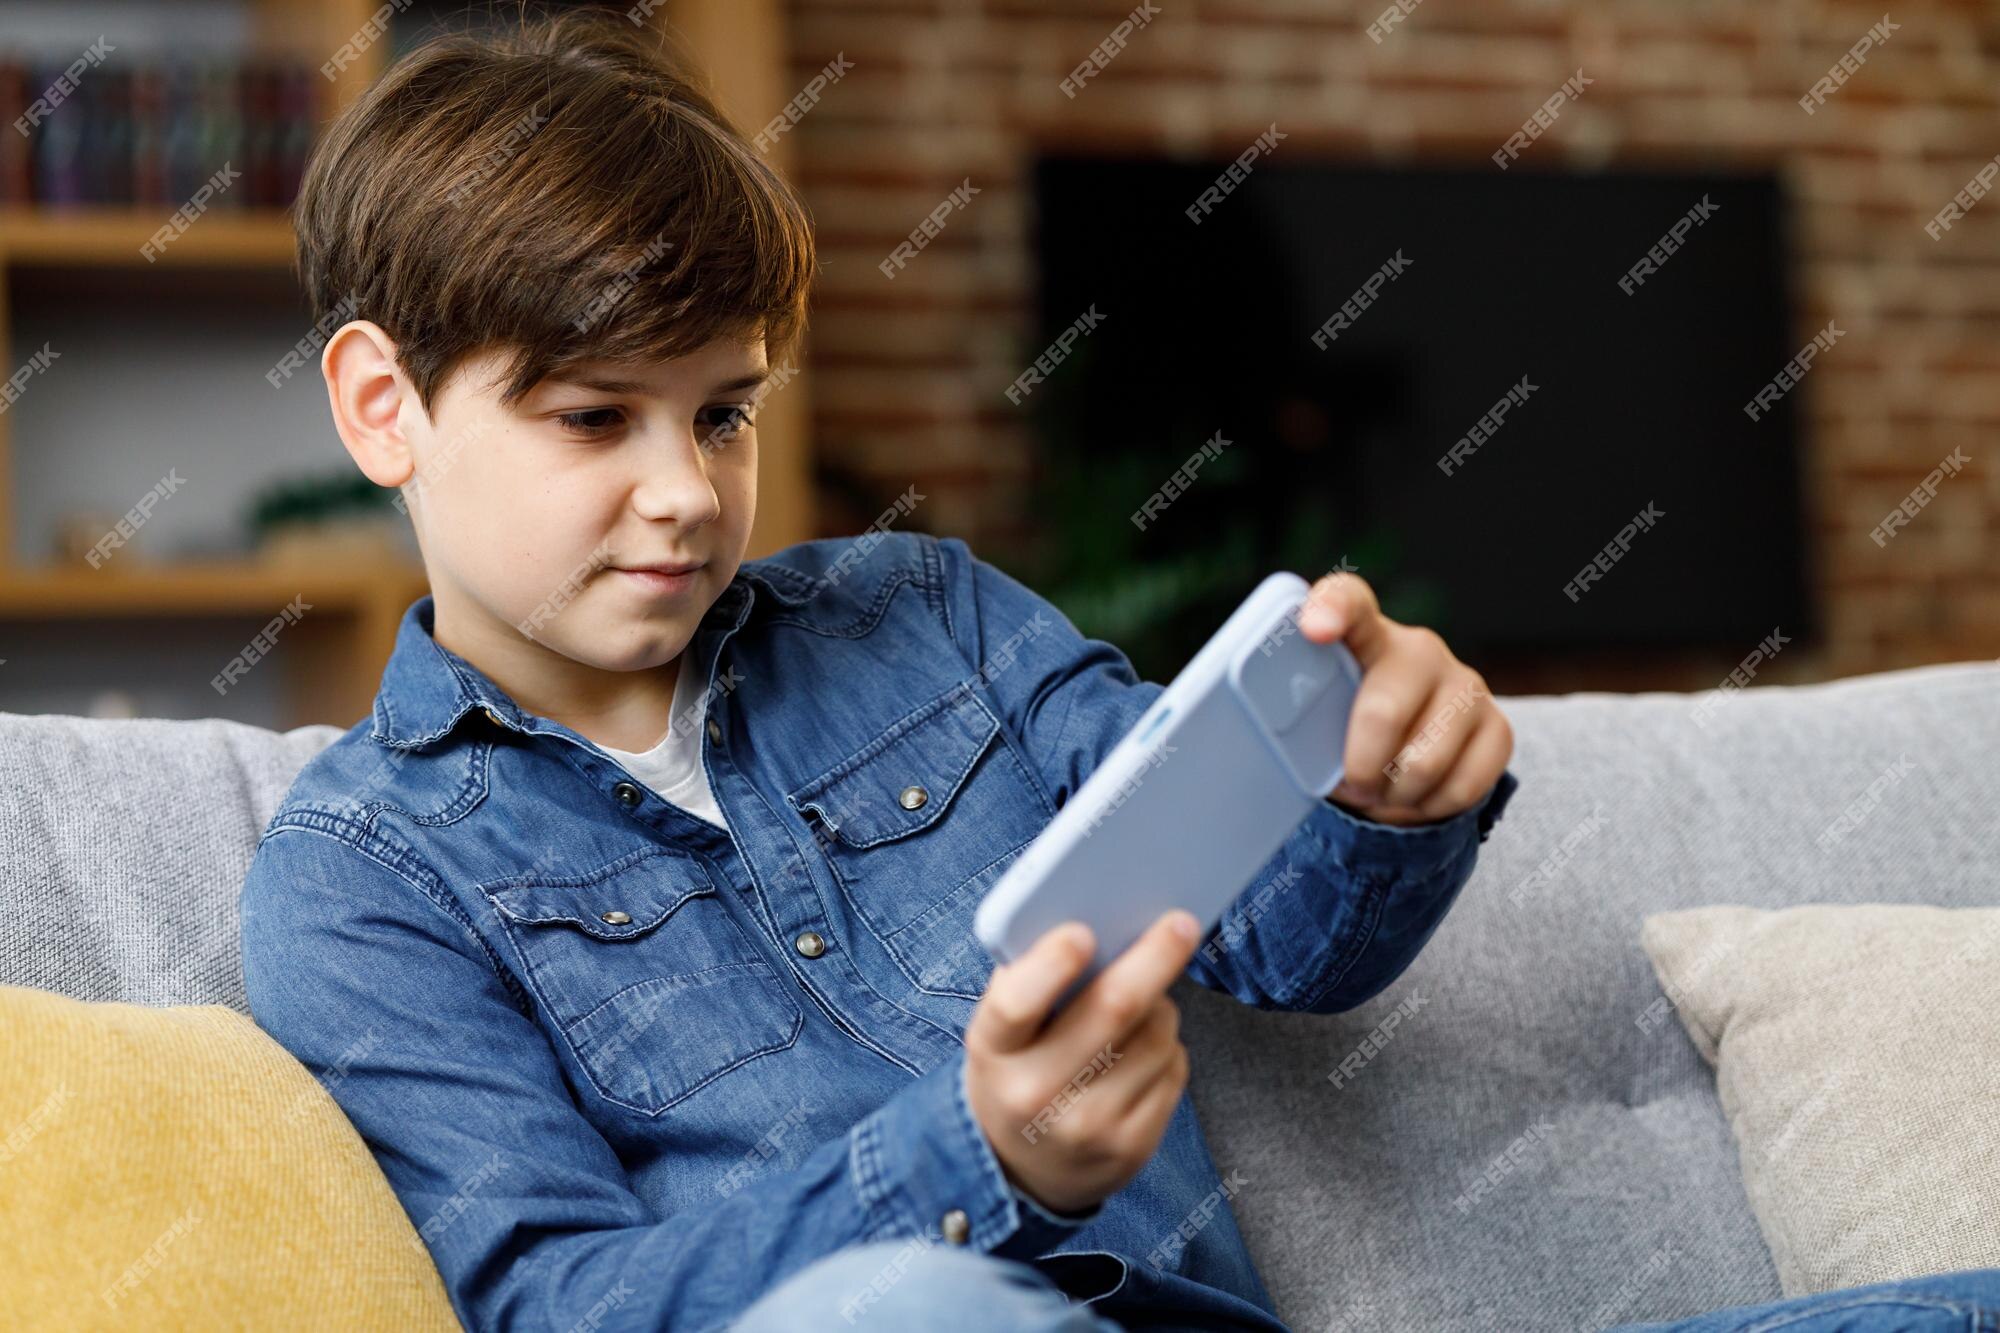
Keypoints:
(652, 985)
(918, 825)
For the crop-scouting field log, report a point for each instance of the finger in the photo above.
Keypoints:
(1016, 1001)
(1112, 1076)
(1117, 999)
(1479, 767)
(1385, 712)
(1118, 1072)
(1449, 722)
(1144, 1054)
(1342, 606)
(1440, 717)
(1156, 1105)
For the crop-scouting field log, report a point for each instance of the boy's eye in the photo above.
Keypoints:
(720, 424)
(591, 421)
(727, 422)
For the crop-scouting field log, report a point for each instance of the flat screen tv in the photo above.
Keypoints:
(1612, 393)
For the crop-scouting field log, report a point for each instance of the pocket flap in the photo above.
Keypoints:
(905, 778)
(636, 892)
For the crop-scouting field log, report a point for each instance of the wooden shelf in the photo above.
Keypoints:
(130, 589)
(115, 237)
(331, 655)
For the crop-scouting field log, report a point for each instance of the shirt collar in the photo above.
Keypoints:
(427, 688)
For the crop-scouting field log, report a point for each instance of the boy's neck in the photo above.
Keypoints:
(635, 721)
(621, 710)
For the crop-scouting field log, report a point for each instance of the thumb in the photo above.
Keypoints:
(1341, 606)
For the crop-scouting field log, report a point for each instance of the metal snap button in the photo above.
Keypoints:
(810, 943)
(493, 717)
(957, 1227)
(627, 793)
(715, 731)
(615, 919)
(913, 797)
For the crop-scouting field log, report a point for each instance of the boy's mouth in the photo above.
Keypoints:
(663, 579)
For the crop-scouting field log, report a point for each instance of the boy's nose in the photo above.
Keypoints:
(675, 486)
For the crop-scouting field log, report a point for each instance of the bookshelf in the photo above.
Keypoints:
(332, 659)
(112, 236)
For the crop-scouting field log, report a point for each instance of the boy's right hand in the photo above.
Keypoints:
(1074, 1108)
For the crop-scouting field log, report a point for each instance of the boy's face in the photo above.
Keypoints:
(530, 516)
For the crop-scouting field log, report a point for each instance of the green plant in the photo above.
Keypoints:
(316, 497)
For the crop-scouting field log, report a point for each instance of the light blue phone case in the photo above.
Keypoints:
(1192, 802)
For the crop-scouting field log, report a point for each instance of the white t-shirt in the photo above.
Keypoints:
(673, 767)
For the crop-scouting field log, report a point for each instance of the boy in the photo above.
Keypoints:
(631, 929)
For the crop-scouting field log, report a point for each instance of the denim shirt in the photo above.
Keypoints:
(628, 1070)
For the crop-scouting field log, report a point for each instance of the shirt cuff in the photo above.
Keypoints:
(1356, 841)
(1068, 1221)
(921, 1159)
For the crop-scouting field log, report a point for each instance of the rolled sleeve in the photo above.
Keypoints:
(1338, 911)
(923, 1155)
(1343, 907)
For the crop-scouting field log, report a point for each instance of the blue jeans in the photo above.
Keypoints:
(901, 1287)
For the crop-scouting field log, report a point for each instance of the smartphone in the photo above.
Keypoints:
(1203, 790)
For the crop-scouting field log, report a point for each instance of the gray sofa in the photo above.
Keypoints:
(1526, 1051)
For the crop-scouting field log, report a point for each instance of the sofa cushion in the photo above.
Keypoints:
(1533, 1056)
(1858, 1061)
(129, 840)
(163, 1165)
(123, 847)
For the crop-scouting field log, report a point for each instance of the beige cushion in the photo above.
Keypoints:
(1857, 1055)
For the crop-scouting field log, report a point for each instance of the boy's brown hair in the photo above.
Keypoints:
(561, 188)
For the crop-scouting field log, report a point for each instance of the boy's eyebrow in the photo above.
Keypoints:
(602, 385)
(750, 381)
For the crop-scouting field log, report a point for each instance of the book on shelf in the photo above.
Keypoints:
(152, 134)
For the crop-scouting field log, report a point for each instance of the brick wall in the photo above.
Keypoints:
(910, 372)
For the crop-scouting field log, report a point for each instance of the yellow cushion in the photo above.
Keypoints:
(178, 1169)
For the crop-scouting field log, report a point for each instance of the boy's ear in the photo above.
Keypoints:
(367, 394)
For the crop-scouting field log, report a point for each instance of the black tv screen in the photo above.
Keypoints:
(1625, 398)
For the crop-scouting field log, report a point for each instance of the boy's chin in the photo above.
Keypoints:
(634, 640)
(657, 652)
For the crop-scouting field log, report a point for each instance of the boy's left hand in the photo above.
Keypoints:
(1425, 740)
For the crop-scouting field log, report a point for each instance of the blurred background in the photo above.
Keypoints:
(1501, 305)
